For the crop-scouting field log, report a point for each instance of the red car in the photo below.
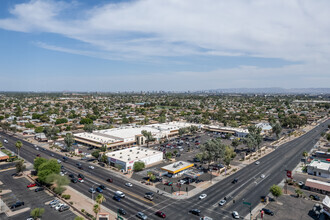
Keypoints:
(161, 214)
(31, 185)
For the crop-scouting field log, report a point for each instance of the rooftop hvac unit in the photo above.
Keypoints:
(138, 152)
(113, 155)
(120, 157)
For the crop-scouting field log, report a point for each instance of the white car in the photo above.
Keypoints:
(61, 173)
(202, 196)
(222, 202)
(54, 204)
(80, 180)
(257, 162)
(262, 176)
(235, 214)
(58, 206)
(129, 184)
(91, 167)
(6, 141)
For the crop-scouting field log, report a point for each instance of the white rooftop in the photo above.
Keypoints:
(176, 166)
(134, 153)
(321, 165)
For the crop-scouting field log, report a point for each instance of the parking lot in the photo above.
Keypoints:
(31, 199)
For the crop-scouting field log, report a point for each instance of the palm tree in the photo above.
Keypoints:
(100, 198)
(18, 145)
(96, 209)
(305, 154)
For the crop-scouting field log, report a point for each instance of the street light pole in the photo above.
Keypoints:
(93, 193)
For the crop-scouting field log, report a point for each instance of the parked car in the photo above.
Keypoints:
(74, 180)
(53, 201)
(268, 212)
(80, 180)
(202, 196)
(235, 215)
(59, 206)
(81, 176)
(31, 185)
(71, 175)
(16, 205)
(121, 211)
(160, 214)
(141, 215)
(39, 189)
(195, 211)
(168, 183)
(54, 204)
(64, 208)
(315, 197)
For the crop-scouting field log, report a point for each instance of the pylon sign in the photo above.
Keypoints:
(289, 174)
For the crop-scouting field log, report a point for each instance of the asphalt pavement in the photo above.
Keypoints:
(249, 188)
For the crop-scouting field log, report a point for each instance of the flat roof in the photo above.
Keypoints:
(320, 164)
(177, 166)
(317, 184)
(133, 153)
(128, 133)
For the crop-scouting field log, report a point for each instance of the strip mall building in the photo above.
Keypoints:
(118, 138)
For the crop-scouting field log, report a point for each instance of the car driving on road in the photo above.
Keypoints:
(195, 211)
(202, 196)
(141, 215)
(222, 202)
(129, 184)
(235, 215)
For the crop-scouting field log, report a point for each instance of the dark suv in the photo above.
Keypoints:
(235, 180)
(39, 189)
(81, 176)
(17, 204)
(268, 212)
(195, 211)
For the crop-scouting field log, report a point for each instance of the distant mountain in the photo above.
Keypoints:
(274, 90)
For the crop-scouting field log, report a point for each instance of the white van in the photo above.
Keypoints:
(120, 194)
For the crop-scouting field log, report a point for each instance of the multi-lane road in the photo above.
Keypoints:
(249, 188)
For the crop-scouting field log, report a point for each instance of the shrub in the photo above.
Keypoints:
(82, 210)
(65, 196)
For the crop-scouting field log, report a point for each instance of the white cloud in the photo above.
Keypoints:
(294, 30)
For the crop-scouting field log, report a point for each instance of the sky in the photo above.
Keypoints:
(163, 45)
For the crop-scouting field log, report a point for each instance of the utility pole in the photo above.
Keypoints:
(249, 204)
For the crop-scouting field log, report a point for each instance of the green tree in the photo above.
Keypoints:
(47, 168)
(104, 158)
(229, 155)
(20, 166)
(277, 129)
(275, 190)
(96, 209)
(69, 140)
(37, 212)
(89, 128)
(58, 181)
(138, 166)
(305, 155)
(96, 154)
(38, 161)
(100, 198)
(298, 192)
(148, 136)
(235, 143)
(39, 129)
(84, 121)
(18, 145)
(168, 155)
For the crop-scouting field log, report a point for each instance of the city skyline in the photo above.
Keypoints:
(170, 46)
